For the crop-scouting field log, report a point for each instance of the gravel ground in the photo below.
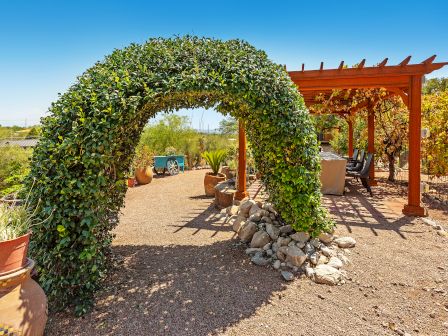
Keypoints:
(182, 272)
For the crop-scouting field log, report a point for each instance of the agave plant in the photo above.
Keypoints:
(214, 159)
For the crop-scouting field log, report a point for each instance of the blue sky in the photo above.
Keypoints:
(44, 45)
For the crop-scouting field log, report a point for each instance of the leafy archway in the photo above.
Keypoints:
(89, 138)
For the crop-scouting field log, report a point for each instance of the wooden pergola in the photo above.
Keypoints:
(404, 80)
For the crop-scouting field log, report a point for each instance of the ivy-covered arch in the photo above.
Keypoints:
(89, 137)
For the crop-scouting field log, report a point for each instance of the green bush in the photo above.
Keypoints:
(14, 166)
(88, 142)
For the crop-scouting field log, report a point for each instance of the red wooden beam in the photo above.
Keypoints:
(429, 60)
(241, 192)
(383, 62)
(414, 208)
(361, 64)
(405, 61)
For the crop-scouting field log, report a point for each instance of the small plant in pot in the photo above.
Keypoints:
(15, 230)
(143, 164)
(130, 178)
(214, 159)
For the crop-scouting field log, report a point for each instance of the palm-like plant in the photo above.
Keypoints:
(214, 159)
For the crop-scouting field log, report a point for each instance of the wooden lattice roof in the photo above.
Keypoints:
(394, 78)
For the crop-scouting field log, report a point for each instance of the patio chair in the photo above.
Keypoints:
(351, 161)
(363, 175)
(353, 157)
(356, 166)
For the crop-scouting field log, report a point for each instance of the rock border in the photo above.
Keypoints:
(269, 242)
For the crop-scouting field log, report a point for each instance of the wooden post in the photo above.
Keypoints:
(241, 192)
(413, 208)
(371, 143)
(350, 138)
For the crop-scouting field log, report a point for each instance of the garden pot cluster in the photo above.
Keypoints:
(23, 304)
(271, 243)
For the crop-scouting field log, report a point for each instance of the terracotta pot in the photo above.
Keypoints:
(131, 182)
(210, 181)
(23, 304)
(143, 175)
(13, 254)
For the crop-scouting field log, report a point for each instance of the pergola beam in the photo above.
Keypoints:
(403, 79)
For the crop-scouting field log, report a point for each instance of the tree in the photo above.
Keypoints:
(228, 126)
(435, 85)
(391, 128)
(435, 119)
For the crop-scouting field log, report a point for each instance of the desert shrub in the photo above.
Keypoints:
(14, 166)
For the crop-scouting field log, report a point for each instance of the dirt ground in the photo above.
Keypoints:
(182, 272)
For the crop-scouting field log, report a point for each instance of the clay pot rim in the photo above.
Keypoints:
(26, 268)
(17, 238)
(217, 175)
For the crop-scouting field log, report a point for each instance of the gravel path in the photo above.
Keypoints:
(183, 273)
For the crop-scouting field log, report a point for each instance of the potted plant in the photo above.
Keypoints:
(21, 300)
(130, 178)
(214, 159)
(143, 164)
(14, 237)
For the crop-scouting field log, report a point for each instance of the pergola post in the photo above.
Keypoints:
(413, 208)
(241, 192)
(371, 142)
(350, 138)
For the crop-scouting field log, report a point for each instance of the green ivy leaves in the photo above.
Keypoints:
(90, 135)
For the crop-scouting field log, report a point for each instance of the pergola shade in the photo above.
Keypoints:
(404, 80)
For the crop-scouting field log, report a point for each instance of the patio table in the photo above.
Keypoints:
(332, 175)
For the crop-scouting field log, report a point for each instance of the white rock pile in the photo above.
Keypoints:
(270, 242)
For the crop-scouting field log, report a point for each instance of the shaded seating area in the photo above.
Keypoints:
(321, 86)
(362, 173)
(356, 164)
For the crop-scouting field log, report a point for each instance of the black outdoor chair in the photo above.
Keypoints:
(357, 165)
(363, 175)
(351, 161)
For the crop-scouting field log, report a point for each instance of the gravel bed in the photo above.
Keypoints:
(182, 271)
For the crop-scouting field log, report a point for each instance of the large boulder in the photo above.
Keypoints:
(259, 260)
(260, 239)
(255, 209)
(272, 231)
(245, 207)
(335, 262)
(286, 229)
(326, 238)
(328, 275)
(345, 242)
(256, 217)
(283, 241)
(301, 237)
(237, 222)
(232, 210)
(247, 231)
(295, 256)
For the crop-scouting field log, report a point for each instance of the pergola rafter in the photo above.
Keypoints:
(404, 80)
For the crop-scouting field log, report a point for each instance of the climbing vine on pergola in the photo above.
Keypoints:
(89, 137)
